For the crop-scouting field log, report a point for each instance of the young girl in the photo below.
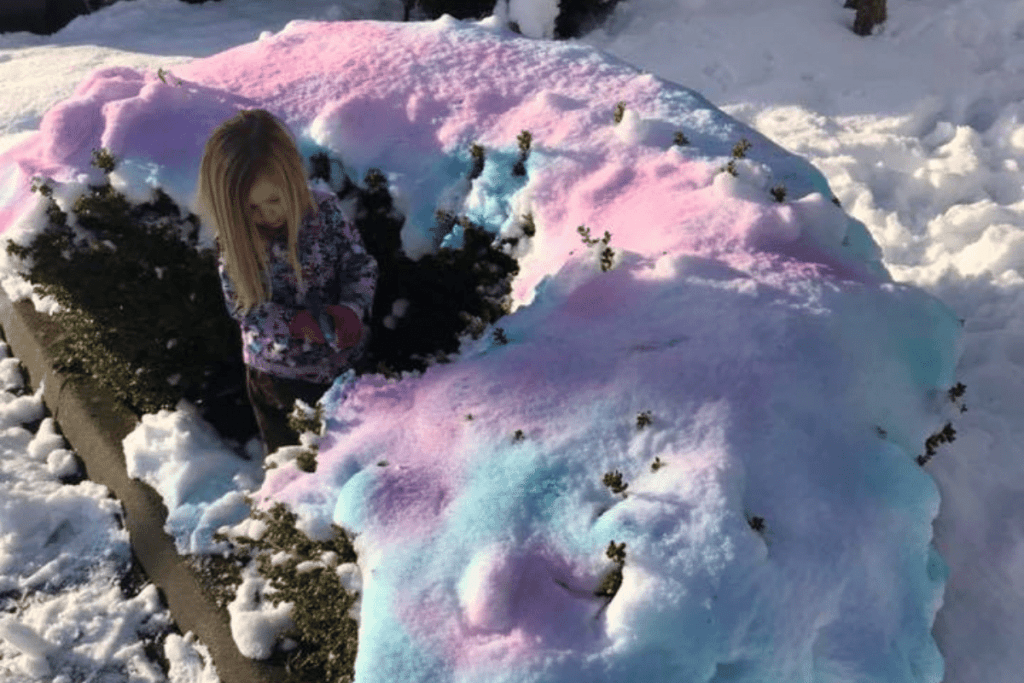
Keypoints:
(294, 272)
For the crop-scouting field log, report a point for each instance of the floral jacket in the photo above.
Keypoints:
(336, 267)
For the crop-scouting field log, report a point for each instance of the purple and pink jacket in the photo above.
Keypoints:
(336, 265)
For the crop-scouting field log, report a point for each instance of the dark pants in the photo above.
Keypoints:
(272, 399)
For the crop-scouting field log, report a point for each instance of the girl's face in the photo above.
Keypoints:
(267, 205)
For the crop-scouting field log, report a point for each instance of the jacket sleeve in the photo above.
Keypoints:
(266, 320)
(355, 279)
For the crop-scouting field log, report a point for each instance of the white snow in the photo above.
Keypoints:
(63, 552)
(189, 659)
(787, 376)
(256, 623)
(32, 645)
(184, 459)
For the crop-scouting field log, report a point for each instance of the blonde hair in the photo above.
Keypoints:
(251, 145)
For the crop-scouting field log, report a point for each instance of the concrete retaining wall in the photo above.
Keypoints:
(94, 424)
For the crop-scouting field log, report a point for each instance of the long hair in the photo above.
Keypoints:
(252, 144)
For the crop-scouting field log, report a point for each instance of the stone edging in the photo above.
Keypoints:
(94, 423)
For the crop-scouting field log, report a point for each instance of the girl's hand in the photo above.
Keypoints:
(303, 326)
(347, 325)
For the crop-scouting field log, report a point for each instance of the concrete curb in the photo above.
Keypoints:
(94, 423)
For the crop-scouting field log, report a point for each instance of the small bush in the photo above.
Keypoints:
(584, 231)
(327, 636)
(477, 152)
(144, 309)
(103, 160)
(620, 110)
(306, 461)
(607, 254)
(870, 13)
(956, 393)
(612, 580)
(643, 419)
(301, 420)
(524, 139)
(143, 314)
(946, 435)
(739, 151)
(450, 293)
(616, 553)
(160, 74)
(779, 193)
(529, 229)
(680, 139)
(613, 480)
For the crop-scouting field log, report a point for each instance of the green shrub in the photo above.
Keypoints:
(529, 229)
(612, 580)
(620, 110)
(450, 293)
(607, 254)
(327, 636)
(524, 138)
(740, 149)
(477, 152)
(947, 434)
(143, 309)
(145, 313)
(613, 480)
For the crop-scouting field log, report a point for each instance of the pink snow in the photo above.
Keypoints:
(446, 86)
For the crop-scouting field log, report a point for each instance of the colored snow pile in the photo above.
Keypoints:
(691, 457)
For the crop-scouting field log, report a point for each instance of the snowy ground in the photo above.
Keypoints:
(917, 130)
(70, 607)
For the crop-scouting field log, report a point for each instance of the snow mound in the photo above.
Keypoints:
(199, 478)
(690, 452)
